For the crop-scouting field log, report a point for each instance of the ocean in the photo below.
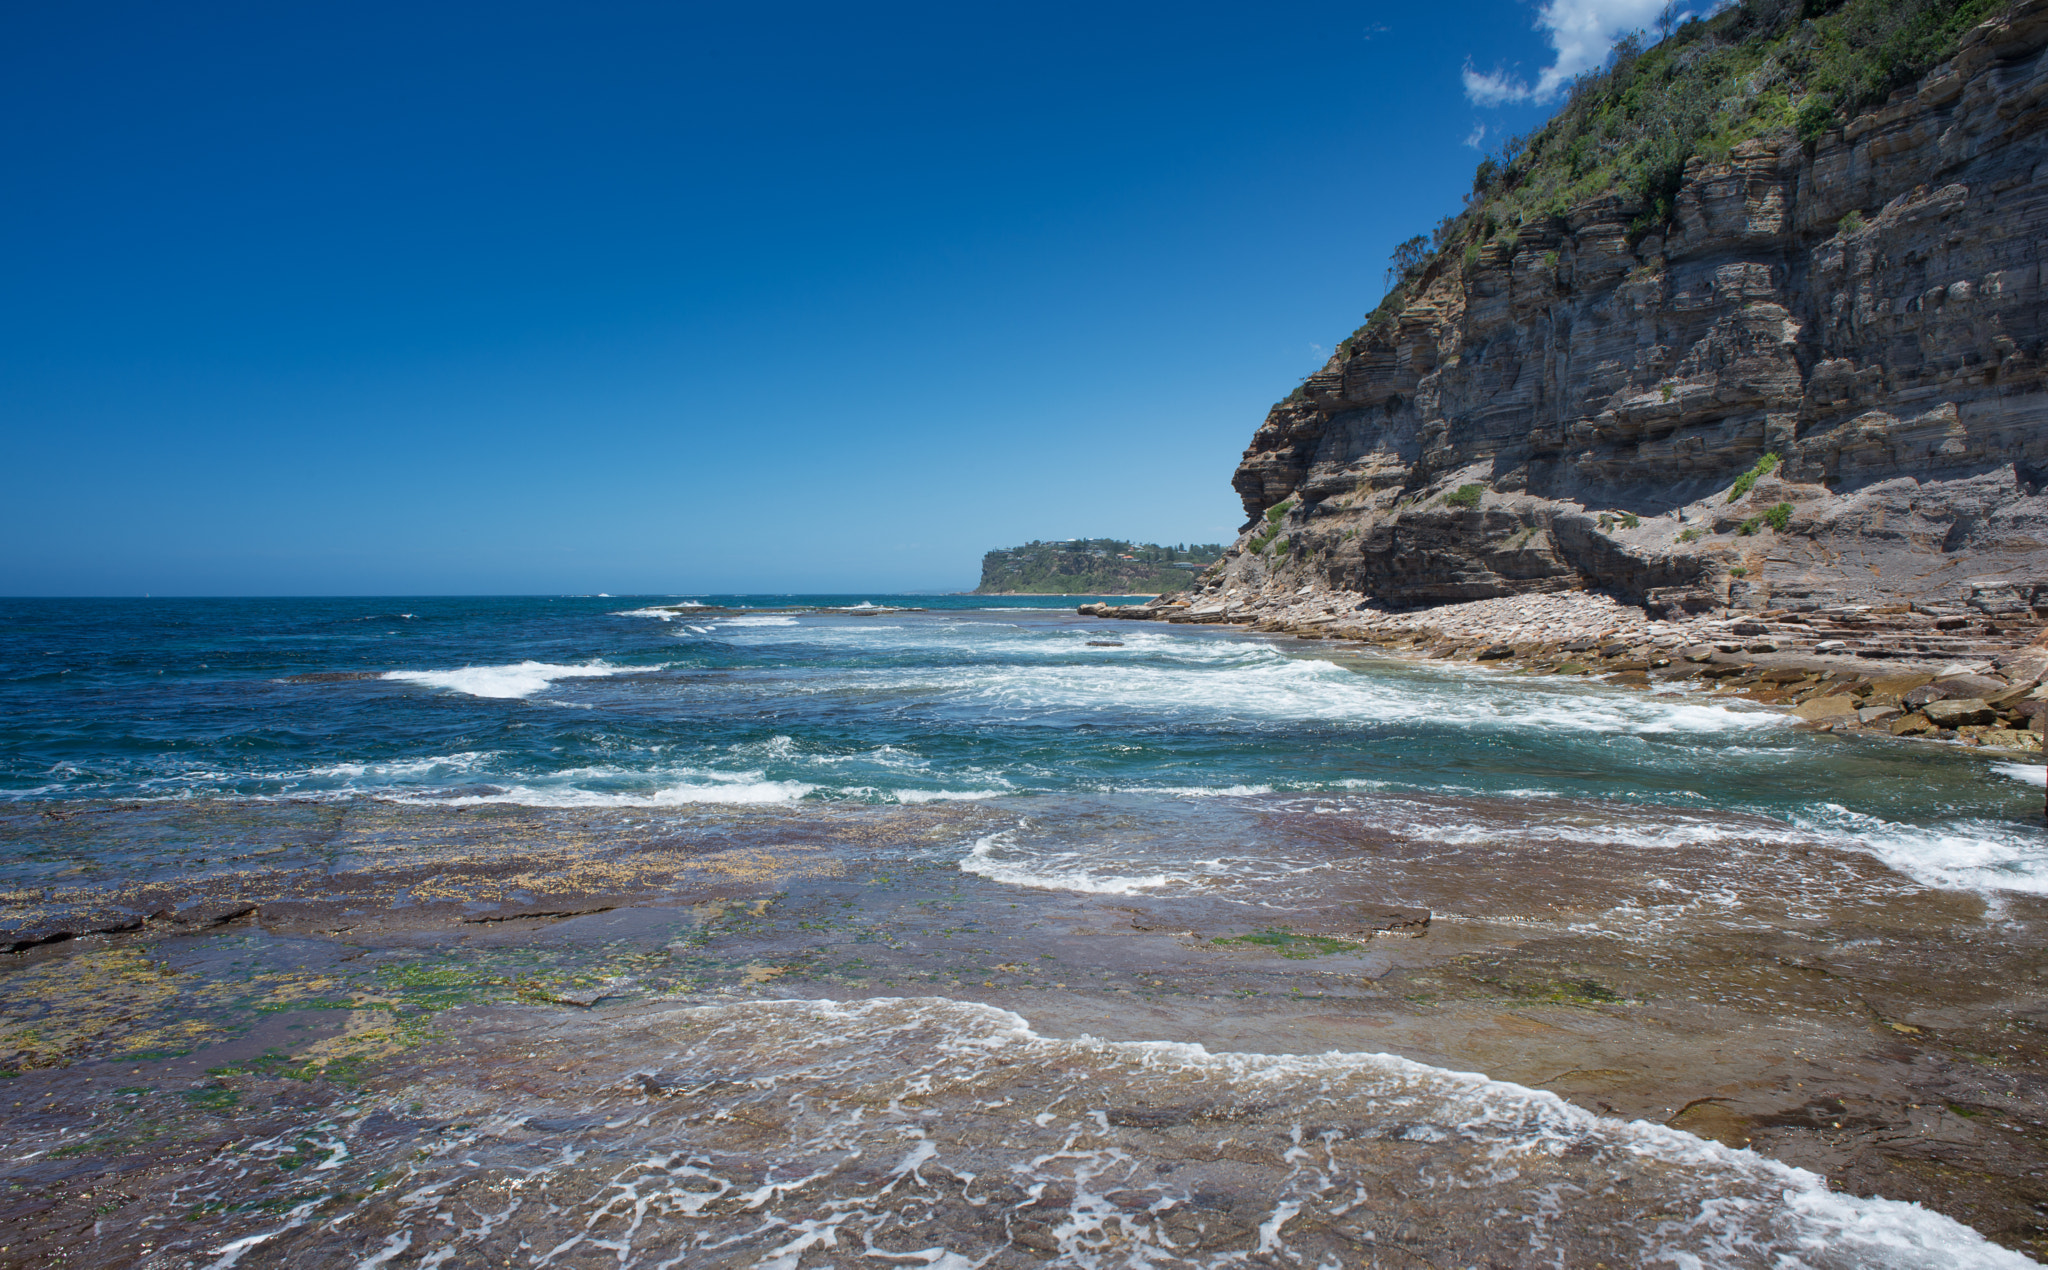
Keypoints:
(1157, 844)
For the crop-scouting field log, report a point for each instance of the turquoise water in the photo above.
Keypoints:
(626, 702)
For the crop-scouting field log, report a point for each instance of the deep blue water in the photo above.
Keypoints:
(613, 701)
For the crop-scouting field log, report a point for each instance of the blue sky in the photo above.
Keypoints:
(443, 298)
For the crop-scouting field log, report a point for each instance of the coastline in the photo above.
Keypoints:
(1908, 671)
(438, 1006)
(451, 975)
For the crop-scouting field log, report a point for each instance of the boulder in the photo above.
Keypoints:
(1877, 714)
(1998, 598)
(1724, 671)
(1911, 725)
(2008, 739)
(1955, 687)
(2025, 666)
(1892, 688)
(1957, 712)
(1834, 708)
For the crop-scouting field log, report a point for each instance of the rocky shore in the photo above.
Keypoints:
(1967, 673)
(309, 1085)
(1813, 395)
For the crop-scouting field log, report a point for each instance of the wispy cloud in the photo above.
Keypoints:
(1580, 32)
(1478, 135)
(1378, 28)
(1492, 88)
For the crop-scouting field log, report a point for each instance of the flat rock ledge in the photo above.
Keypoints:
(1925, 672)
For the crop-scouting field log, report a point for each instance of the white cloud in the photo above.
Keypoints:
(1580, 32)
(1491, 89)
(1478, 135)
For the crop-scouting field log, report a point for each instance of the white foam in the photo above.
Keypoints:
(667, 613)
(909, 796)
(738, 790)
(1962, 855)
(437, 765)
(521, 679)
(757, 621)
(1198, 791)
(1212, 679)
(932, 1094)
(994, 856)
(2025, 773)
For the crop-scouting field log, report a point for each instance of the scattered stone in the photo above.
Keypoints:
(1825, 708)
(1583, 633)
(2008, 739)
(1956, 712)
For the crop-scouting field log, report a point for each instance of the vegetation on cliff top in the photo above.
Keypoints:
(1759, 68)
(1094, 566)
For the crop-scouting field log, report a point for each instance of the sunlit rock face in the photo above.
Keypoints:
(1868, 310)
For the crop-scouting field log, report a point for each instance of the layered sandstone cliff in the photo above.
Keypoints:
(1869, 309)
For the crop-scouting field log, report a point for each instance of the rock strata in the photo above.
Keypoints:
(1819, 385)
(1791, 441)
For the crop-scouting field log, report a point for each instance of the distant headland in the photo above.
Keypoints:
(1094, 566)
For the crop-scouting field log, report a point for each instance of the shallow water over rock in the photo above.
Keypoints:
(371, 1006)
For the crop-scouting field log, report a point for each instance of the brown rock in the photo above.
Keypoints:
(1820, 708)
(2027, 666)
(2008, 739)
(1911, 725)
(1724, 672)
(1957, 712)
(1578, 364)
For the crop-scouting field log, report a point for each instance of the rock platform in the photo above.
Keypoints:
(1943, 673)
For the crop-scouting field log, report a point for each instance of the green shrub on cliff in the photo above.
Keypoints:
(1747, 481)
(1466, 496)
(1274, 515)
(1756, 68)
(1779, 516)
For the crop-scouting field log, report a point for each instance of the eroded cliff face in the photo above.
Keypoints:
(1606, 391)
